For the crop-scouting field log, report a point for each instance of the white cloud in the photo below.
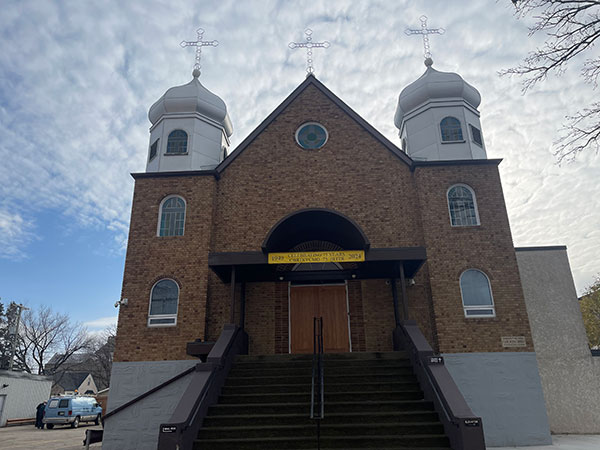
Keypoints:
(101, 323)
(15, 233)
(79, 77)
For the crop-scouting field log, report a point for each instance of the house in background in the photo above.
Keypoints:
(74, 383)
(98, 363)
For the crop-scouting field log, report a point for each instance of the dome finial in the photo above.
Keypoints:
(196, 72)
(428, 62)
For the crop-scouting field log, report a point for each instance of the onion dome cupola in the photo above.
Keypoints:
(438, 118)
(190, 129)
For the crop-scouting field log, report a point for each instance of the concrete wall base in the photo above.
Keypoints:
(504, 389)
(137, 427)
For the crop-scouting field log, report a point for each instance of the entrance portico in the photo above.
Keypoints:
(332, 291)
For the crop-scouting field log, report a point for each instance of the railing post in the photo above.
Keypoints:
(395, 299)
(404, 296)
(243, 305)
(232, 286)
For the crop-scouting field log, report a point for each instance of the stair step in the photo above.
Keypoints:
(345, 442)
(308, 363)
(329, 387)
(400, 367)
(307, 430)
(329, 397)
(330, 418)
(331, 407)
(348, 377)
(327, 356)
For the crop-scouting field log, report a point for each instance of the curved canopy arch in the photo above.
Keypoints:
(315, 224)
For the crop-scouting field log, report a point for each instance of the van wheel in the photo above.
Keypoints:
(97, 421)
(75, 423)
(49, 426)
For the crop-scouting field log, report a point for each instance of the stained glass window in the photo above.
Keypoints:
(163, 303)
(462, 207)
(153, 150)
(177, 142)
(451, 129)
(172, 217)
(476, 294)
(311, 136)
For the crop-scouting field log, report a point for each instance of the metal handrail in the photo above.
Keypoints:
(318, 378)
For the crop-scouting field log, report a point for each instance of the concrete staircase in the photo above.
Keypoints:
(372, 401)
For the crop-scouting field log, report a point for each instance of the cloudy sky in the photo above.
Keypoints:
(77, 78)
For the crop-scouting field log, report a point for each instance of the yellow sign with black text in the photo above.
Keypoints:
(317, 257)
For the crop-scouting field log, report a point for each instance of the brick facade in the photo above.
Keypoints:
(355, 174)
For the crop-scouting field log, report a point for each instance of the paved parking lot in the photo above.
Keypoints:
(28, 437)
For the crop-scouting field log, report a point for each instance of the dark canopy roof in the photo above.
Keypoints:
(315, 224)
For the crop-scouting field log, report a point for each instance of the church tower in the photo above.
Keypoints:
(438, 118)
(190, 129)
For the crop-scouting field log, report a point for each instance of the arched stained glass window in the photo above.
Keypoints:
(476, 294)
(177, 142)
(163, 303)
(172, 217)
(462, 206)
(451, 129)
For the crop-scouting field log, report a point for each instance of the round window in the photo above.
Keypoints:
(311, 135)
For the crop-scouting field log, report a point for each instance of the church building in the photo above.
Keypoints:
(404, 250)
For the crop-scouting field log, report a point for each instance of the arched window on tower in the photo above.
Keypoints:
(164, 297)
(177, 142)
(462, 206)
(171, 216)
(451, 129)
(476, 294)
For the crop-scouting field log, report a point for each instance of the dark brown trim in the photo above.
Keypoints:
(457, 162)
(181, 173)
(463, 429)
(312, 80)
(535, 249)
(380, 263)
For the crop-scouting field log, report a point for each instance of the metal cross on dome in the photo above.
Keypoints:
(198, 44)
(425, 32)
(309, 45)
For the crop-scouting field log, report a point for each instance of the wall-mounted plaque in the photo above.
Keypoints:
(513, 341)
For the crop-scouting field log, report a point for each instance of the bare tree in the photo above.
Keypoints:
(571, 28)
(102, 352)
(46, 332)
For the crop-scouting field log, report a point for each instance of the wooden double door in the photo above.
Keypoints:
(329, 302)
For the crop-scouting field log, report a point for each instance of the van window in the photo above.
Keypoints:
(52, 403)
(64, 403)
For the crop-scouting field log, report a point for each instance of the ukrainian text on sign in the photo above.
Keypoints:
(317, 257)
(513, 341)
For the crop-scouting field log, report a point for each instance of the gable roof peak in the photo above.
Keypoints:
(311, 79)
